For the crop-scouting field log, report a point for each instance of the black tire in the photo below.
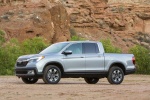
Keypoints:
(91, 80)
(29, 80)
(116, 75)
(52, 74)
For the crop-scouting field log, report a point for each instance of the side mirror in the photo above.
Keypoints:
(67, 52)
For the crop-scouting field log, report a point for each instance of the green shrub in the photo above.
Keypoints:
(13, 49)
(142, 56)
(76, 38)
(2, 38)
(34, 45)
(8, 55)
(108, 46)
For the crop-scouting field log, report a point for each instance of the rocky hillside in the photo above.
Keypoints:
(125, 22)
(24, 19)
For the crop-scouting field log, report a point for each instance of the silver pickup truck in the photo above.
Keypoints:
(74, 59)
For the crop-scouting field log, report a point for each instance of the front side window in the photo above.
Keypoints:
(90, 48)
(75, 48)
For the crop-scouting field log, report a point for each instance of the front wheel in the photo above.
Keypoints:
(91, 80)
(116, 75)
(29, 80)
(52, 74)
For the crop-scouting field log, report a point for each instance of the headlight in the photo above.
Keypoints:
(36, 59)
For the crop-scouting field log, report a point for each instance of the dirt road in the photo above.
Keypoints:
(134, 87)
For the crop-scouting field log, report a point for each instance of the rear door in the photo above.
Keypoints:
(94, 60)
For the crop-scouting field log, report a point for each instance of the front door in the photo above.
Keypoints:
(74, 62)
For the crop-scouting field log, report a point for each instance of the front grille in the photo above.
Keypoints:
(21, 72)
(22, 63)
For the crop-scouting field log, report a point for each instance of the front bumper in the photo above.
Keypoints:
(24, 72)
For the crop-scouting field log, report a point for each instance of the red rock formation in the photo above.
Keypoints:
(121, 22)
(24, 19)
(125, 22)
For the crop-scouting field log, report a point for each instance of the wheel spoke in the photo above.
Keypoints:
(115, 72)
(115, 79)
(49, 73)
(57, 74)
(54, 71)
(50, 79)
(120, 75)
(119, 79)
(55, 78)
(113, 75)
(50, 70)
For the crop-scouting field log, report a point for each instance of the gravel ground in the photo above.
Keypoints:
(134, 87)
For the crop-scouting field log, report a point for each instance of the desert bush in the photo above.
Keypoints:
(8, 56)
(76, 38)
(142, 56)
(34, 45)
(13, 49)
(109, 47)
(2, 37)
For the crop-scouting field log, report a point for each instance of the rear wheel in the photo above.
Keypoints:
(91, 80)
(52, 74)
(116, 75)
(29, 80)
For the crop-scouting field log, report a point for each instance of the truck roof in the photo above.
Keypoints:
(80, 41)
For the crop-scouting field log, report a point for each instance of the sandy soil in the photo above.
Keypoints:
(134, 87)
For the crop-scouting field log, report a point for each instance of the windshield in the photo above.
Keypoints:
(54, 48)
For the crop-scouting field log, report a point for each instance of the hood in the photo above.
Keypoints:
(25, 57)
(28, 56)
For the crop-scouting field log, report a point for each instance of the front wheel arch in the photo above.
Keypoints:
(59, 65)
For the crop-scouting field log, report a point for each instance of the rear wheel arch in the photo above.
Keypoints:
(120, 65)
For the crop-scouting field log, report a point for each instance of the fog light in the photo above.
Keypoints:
(31, 72)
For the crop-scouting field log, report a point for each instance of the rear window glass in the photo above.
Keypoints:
(90, 48)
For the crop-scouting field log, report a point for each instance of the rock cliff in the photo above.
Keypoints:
(24, 19)
(125, 22)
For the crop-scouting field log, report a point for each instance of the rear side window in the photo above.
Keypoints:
(90, 48)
